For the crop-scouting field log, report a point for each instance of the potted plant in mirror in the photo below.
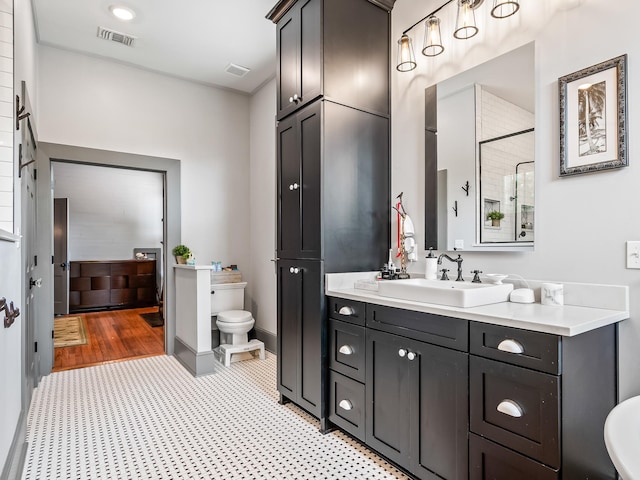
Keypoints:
(495, 217)
(182, 253)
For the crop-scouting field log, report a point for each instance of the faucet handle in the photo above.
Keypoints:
(476, 276)
(444, 274)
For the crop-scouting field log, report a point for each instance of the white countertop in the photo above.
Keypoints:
(605, 304)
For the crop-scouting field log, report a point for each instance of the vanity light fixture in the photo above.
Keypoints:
(122, 13)
(465, 29)
(504, 8)
(432, 38)
(406, 58)
(466, 21)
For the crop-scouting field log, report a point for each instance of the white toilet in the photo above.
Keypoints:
(234, 323)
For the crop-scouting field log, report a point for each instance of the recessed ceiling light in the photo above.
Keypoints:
(122, 13)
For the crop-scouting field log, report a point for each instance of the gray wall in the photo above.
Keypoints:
(111, 210)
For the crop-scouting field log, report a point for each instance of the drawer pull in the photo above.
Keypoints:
(511, 346)
(511, 408)
(346, 350)
(346, 311)
(345, 405)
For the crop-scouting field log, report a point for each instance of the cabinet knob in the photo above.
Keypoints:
(411, 356)
(345, 405)
(402, 352)
(511, 408)
(294, 270)
(346, 350)
(294, 186)
(511, 346)
(346, 311)
(290, 99)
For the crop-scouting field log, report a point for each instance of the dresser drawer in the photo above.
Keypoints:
(516, 407)
(347, 310)
(426, 327)
(539, 351)
(346, 349)
(488, 461)
(346, 404)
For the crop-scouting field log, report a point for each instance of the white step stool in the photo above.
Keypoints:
(224, 352)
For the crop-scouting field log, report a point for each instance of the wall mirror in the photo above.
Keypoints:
(479, 156)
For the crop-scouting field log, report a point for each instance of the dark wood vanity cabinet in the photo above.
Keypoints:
(538, 403)
(338, 49)
(448, 398)
(99, 284)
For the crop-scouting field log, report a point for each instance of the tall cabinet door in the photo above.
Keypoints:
(301, 311)
(388, 395)
(299, 181)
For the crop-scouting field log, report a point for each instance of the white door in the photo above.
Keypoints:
(60, 256)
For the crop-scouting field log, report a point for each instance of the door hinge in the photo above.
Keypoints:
(52, 334)
(53, 260)
(35, 260)
(35, 173)
(35, 347)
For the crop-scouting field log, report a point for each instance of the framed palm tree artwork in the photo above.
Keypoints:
(593, 118)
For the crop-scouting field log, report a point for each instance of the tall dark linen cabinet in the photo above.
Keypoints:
(333, 171)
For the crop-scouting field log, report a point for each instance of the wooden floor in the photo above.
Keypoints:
(113, 335)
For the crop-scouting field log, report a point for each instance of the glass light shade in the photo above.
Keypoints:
(432, 38)
(406, 58)
(504, 8)
(466, 21)
(122, 13)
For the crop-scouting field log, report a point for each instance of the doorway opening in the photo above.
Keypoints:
(169, 167)
(109, 238)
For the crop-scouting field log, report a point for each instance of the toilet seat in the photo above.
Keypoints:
(234, 316)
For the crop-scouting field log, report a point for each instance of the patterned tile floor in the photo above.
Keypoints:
(150, 419)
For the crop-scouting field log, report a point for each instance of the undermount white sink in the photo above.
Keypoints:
(445, 292)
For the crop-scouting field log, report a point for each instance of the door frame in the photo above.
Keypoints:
(172, 226)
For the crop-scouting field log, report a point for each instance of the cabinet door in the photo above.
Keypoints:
(299, 51)
(388, 392)
(440, 414)
(289, 314)
(301, 314)
(288, 35)
(312, 323)
(299, 170)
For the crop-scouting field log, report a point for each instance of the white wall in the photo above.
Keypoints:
(582, 222)
(89, 102)
(111, 210)
(262, 288)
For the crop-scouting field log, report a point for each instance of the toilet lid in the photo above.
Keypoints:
(234, 316)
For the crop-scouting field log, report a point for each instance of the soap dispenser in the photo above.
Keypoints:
(431, 272)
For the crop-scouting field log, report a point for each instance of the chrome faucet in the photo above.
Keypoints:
(454, 260)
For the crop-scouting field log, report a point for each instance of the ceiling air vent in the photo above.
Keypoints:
(236, 70)
(114, 36)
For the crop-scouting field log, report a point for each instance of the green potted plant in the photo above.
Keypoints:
(182, 253)
(495, 216)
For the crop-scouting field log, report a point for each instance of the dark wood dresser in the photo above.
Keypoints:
(99, 284)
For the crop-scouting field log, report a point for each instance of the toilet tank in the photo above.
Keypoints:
(227, 296)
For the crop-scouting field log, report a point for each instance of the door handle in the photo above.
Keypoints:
(64, 266)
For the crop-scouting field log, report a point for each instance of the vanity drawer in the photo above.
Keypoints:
(346, 349)
(347, 310)
(516, 407)
(346, 404)
(488, 461)
(539, 351)
(426, 327)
